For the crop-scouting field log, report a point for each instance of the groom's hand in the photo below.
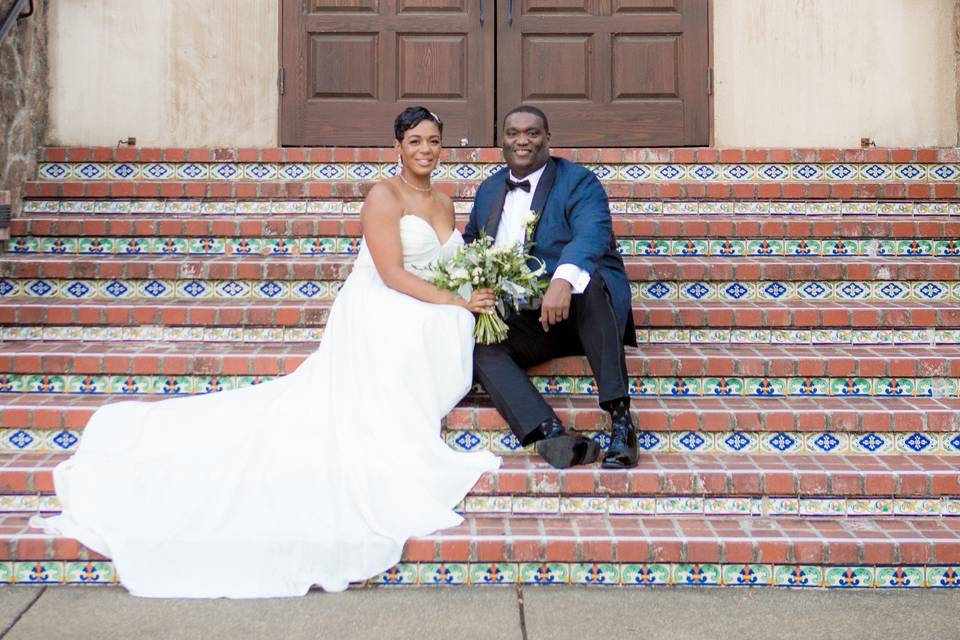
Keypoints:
(555, 307)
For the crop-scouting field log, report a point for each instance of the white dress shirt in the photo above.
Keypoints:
(512, 229)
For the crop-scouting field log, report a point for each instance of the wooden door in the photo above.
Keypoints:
(350, 66)
(608, 72)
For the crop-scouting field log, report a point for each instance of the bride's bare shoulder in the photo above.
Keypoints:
(383, 199)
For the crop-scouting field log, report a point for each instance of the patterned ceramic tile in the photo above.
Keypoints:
(798, 576)
(942, 577)
(89, 573)
(400, 575)
(750, 575)
(444, 574)
(38, 572)
(696, 575)
(494, 574)
(545, 573)
(849, 577)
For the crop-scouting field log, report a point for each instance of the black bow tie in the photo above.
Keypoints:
(523, 184)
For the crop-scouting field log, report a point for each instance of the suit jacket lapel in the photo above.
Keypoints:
(544, 186)
(496, 210)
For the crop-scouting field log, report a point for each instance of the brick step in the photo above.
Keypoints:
(672, 315)
(747, 155)
(116, 358)
(626, 539)
(680, 481)
(475, 423)
(674, 360)
(896, 189)
(640, 268)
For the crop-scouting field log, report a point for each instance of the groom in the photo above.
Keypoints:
(586, 309)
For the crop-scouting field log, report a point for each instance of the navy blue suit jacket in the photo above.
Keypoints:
(574, 227)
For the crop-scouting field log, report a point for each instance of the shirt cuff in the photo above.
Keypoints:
(577, 277)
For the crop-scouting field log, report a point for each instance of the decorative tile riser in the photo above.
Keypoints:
(503, 442)
(688, 362)
(833, 248)
(896, 189)
(806, 172)
(712, 387)
(819, 425)
(622, 574)
(751, 155)
(645, 207)
(674, 316)
(767, 507)
(589, 574)
(736, 442)
(760, 292)
(644, 336)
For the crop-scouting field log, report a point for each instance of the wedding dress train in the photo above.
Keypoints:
(314, 478)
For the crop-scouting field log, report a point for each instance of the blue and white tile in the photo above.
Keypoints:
(872, 443)
(154, 171)
(910, 172)
(773, 172)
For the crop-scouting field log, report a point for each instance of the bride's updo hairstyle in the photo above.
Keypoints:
(411, 117)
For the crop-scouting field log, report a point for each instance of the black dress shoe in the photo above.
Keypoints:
(562, 449)
(623, 450)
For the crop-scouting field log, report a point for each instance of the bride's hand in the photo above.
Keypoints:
(482, 301)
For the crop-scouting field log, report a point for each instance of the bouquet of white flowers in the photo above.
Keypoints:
(481, 265)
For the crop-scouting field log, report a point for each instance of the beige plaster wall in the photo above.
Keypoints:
(787, 72)
(828, 72)
(170, 73)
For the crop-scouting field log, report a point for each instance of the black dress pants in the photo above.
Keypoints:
(592, 330)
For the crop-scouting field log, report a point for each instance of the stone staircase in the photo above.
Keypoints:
(797, 385)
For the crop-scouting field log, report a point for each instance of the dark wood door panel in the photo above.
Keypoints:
(606, 72)
(350, 67)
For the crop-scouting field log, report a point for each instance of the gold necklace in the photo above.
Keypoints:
(413, 186)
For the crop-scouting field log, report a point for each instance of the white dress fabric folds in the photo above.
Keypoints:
(316, 478)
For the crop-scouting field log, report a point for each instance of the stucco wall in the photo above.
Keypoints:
(829, 72)
(787, 72)
(170, 73)
(23, 92)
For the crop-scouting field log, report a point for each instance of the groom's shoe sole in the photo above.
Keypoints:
(614, 463)
(565, 451)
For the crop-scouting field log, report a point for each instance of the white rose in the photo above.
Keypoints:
(528, 217)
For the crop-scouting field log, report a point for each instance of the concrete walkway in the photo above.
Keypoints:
(488, 613)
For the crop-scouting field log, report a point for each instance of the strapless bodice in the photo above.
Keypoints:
(421, 246)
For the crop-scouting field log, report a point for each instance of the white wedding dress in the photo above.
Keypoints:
(318, 477)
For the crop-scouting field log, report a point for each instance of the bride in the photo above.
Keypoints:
(318, 477)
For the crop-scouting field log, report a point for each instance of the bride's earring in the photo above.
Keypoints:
(399, 165)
